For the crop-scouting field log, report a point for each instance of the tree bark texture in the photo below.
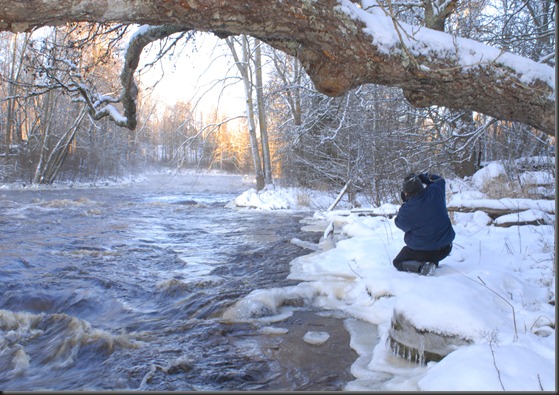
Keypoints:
(336, 52)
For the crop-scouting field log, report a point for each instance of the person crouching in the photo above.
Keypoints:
(424, 219)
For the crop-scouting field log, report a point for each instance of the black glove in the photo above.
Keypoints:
(424, 178)
(403, 196)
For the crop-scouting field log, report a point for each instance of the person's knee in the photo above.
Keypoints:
(449, 250)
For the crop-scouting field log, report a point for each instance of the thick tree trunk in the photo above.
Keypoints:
(338, 53)
(436, 13)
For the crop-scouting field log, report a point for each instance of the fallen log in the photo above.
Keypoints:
(498, 207)
(528, 217)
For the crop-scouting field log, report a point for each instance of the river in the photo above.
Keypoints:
(123, 288)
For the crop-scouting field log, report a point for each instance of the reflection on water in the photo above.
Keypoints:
(123, 288)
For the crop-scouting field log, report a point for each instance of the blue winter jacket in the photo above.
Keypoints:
(424, 217)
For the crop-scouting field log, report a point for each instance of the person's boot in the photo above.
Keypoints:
(428, 269)
(411, 266)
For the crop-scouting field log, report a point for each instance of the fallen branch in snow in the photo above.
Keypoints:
(481, 282)
(349, 264)
(340, 195)
(520, 223)
(506, 301)
(495, 364)
(508, 212)
(372, 212)
(494, 212)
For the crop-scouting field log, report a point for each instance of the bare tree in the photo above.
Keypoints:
(48, 169)
(262, 118)
(14, 75)
(66, 59)
(244, 66)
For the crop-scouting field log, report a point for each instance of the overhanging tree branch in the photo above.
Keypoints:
(144, 36)
(340, 45)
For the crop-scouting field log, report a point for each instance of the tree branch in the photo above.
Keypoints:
(340, 45)
(144, 36)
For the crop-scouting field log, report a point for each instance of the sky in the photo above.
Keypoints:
(494, 289)
(192, 76)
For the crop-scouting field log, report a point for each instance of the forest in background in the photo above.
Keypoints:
(291, 134)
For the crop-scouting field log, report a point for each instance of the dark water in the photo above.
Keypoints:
(123, 289)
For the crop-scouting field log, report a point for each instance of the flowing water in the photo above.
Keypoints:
(123, 288)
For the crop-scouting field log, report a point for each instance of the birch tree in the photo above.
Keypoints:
(262, 118)
(249, 65)
(244, 67)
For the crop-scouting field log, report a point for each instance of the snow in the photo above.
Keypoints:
(487, 174)
(432, 43)
(114, 114)
(536, 178)
(520, 369)
(140, 31)
(494, 289)
(504, 203)
(525, 216)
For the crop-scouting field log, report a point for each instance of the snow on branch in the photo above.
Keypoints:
(142, 37)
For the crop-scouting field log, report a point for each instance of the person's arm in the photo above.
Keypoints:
(401, 221)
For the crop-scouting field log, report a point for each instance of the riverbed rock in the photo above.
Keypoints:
(418, 345)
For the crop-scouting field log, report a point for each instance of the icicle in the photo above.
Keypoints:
(421, 351)
(408, 354)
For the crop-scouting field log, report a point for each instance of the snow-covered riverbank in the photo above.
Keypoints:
(496, 289)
